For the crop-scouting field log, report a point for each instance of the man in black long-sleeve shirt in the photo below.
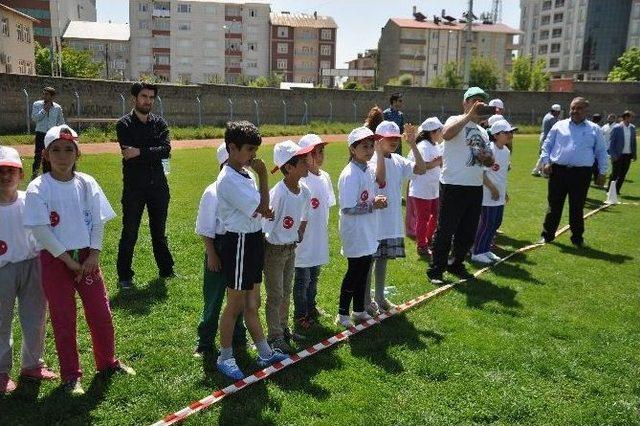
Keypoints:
(144, 140)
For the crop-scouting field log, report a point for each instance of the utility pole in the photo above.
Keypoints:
(468, 39)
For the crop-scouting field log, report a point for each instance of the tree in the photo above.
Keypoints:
(539, 77)
(520, 75)
(43, 60)
(352, 85)
(75, 63)
(627, 67)
(405, 80)
(261, 81)
(450, 77)
(483, 73)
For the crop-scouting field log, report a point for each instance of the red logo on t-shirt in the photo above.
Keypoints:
(287, 222)
(3, 247)
(364, 196)
(54, 218)
(495, 167)
(315, 203)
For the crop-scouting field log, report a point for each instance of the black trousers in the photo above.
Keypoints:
(572, 181)
(37, 153)
(619, 169)
(156, 199)
(458, 216)
(354, 284)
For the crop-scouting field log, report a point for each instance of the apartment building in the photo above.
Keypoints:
(199, 41)
(422, 48)
(107, 42)
(365, 61)
(17, 55)
(302, 45)
(579, 39)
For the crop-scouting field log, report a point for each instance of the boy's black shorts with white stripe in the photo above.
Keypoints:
(242, 259)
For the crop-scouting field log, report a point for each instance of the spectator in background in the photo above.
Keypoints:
(499, 115)
(394, 114)
(374, 117)
(623, 149)
(46, 114)
(596, 119)
(606, 129)
(548, 121)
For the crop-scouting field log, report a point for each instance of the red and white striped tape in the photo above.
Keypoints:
(220, 394)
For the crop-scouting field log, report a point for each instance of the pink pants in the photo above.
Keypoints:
(426, 220)
(60, 290)
(410, 217)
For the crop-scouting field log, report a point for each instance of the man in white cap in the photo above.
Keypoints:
(548, 121)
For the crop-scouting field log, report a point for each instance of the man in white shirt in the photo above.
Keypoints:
(623, 149)
(46, 114)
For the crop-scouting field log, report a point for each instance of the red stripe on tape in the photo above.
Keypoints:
(311, 350)
(260, 374)
(295, 358)
(218, 394)
(196, 405)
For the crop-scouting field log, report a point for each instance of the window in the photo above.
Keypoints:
(252, 13)
(232, 45)
(546, 5)
(5, 26)
(435, 67)
(143, 7)
(184, 44)
(555, 48)
(325, 50)
(252, 46)
(326, 34)
(144, 60)
(210, 44)
(325, 64)
(144, 43)
(184, 60)
(559, 3)
(184, 7)
(143, 24)
(542, 49)
(557, 17)
(281, 64)
(554, 62)
(184, 26)
(544, 35)
(557, 32)
(545, 20)
(251, 64)
(209, 9)
(283, 48)
(283, 32)
(162, 42)
(162, 60)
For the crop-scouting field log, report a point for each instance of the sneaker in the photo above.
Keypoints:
(203, 352)
(482, 258)
(361, 316)
(385, 305)
(372, 309)
(290, 335)
(536, 173)
(315, 313)
(303, 322)
(73, 387)
(40, 373)
(280, 344)
(119, 368)
(6, 384)
(125, 285)
(578, 242)
(493, 256)
(344, 321)
(230, 369)
(276, 356)
(435, 276)
(458, 270)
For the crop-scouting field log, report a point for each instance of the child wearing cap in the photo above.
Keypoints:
(210, 228)
(66, 211)
(290, 204)
(241, 208)
(494, 192)
(313, 251)
(390, 227)
(424, 189)
(358, 221)
(20, 279)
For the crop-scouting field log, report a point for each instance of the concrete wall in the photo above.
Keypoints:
(101, 99)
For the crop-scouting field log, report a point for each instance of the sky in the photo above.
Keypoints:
(359, 21)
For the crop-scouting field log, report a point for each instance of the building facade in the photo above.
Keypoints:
(423, 48)
(301, 46)
(199, 41)
(579, 39)
(365, 61)
(17, 54)
(108, 44)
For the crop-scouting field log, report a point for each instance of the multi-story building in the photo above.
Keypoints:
(107, 42)
(579, 39)
(17, 54)
(423, 48)
(302, 45)
(365, 61)
(199, 40)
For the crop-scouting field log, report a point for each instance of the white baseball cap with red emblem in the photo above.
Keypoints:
(359, 134)
(60, 132)
(285, 151)
(310, 140)
(388, 129)
(10, 157)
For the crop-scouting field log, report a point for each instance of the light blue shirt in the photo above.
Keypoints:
(575, 145)
(46, 121)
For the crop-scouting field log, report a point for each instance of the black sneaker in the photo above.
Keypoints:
(578, 242)
(126, 285)
(435, 276)
(203, 352)
(459, 271)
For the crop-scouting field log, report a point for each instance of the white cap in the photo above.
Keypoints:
(10, 157)
(496, 103)
(502, 126)
(221, 153)
(388, 129)
(556, 107)
(310, 140)
(430, 124)
(359, 134)
(56, 133)
(494, 118)
(285, 151)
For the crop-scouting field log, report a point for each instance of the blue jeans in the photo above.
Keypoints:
(490, 221)
(305, 288)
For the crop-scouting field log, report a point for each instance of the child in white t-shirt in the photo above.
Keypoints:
(358, 221)
(66, 211)
(313, 251)
(20, 279)
(424, 189)
(390, 227)
(494, 192)
(290, 204)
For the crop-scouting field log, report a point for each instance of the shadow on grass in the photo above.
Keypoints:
(512, 269)
(629, 197)
(593, 253)
(479, 292)
(514, 243)
(138, 301)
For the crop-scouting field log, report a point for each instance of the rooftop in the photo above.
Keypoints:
(456, 26)
(17, 12)
(97, 31)
(287, 19)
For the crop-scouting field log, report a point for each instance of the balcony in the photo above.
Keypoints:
(161, 13)
(158, 67)
(230, 52)
(232, 35)
(233, 70)
(413, 57)
(230, 18)
(302, 53)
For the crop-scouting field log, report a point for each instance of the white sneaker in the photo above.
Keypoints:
(493, 256)
(344, 321)
(384, 305)
(372, 309)
(481, 258)
(361, 316)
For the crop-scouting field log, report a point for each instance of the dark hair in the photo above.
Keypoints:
(627, 113)
(50, 90)
(374, 117)
(293, 162)
(596, 118)
(46, 164)
(240, 133)
(137, 87)
(424, 135)
(395, 97)
(581, 100)
(492, 137)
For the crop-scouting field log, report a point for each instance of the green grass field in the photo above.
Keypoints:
(550, 337)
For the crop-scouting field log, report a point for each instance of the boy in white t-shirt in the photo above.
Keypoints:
(494, 192)
(20, 278)
(313, 251)
(290, 204)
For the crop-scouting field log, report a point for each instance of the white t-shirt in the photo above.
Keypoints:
(238, 199)
(626, 130)
(208, 223)
(606, 132)
(17, 243)
(70, 208)
(289, 210)
(398, 169)
(459, 164)
(314, 248)
(426, 186)
(358, 233)
(498, 175)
